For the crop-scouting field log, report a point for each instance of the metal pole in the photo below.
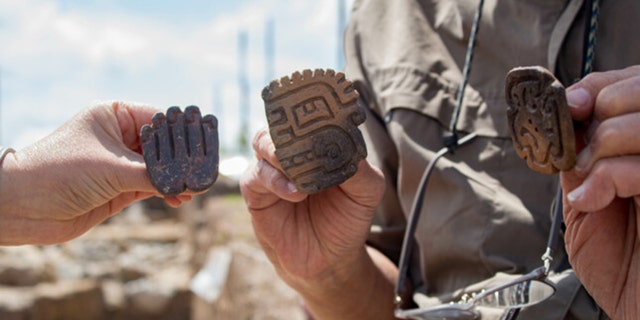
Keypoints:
(243, 84)
(342, 23)
(269, 50)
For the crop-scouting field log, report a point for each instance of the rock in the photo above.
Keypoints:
(147, 297)
(137, 270)
(252, 291)
(150, 299)
(114, 296)
(16, 303)
(24, 266)
(209, 282)
(69, 300)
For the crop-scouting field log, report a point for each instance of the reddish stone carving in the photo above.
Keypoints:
(539, 120)
(313, 119)
(181, 150)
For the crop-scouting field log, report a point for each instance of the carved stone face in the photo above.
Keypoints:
(539, 120)
(313, 119)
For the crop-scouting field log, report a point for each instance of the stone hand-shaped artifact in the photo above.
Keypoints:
(181, 150)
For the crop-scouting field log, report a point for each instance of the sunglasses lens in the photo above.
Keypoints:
(461, 311)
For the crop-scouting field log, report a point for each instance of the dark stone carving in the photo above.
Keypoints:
(181, 150)
(313, 119)
(539, 120)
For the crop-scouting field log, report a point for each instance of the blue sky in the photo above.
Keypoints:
(59, 56)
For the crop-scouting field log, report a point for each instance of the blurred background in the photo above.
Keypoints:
(58, 56)
(152, 262)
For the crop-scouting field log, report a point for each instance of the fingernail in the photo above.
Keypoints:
(576, 194)
(291, 187)
(578, 98)
(582, 161)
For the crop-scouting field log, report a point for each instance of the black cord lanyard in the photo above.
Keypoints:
(451, 142)
(592, 12)
(451, 139)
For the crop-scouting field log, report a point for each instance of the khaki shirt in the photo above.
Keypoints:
(484, 211)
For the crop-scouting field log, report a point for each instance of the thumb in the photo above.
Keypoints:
(366, 186)
(131, 175)
(570, 181)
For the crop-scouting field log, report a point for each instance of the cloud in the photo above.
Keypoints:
(57, 59)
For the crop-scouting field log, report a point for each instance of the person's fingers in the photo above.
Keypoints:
(581, 103)
(619, 98)
(176, 201)
(597, 243)
(588, 96)
(263, 185)
(613, 137)
(609, 178)
(129, 175)
(366, 186)
(131, 117)
(265, 149)
(125, 199)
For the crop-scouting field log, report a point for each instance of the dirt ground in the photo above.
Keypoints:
(151, 262)
(252, 290)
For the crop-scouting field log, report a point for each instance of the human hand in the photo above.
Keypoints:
(602, 199)
(309, 238)
(84, 172)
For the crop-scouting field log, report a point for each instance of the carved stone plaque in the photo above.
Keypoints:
(539, 120)
(313, 120)
(181, 150)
